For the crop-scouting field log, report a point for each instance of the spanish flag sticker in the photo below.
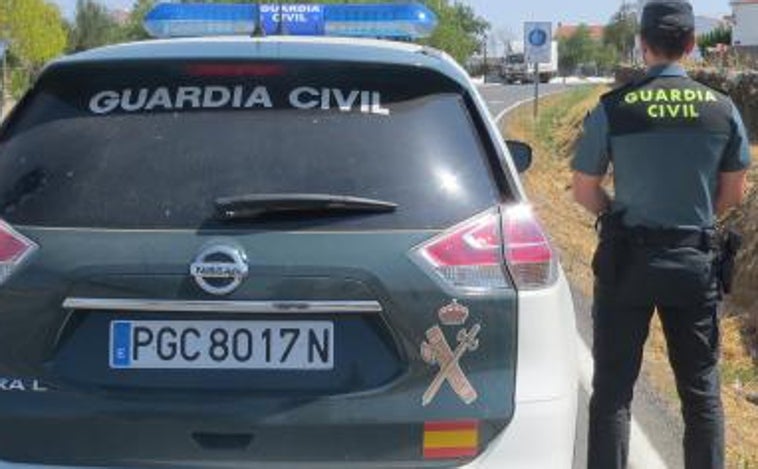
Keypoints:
(451, 440)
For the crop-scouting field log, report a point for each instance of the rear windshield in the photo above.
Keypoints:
(152, 145)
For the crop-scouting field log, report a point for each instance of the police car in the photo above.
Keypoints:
(275, 252)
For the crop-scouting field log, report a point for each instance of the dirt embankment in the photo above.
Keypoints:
(554, 136)
(745, 220)
(741, 87)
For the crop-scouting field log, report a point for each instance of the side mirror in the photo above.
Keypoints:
(522, 154)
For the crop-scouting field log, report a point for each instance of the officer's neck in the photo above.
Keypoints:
(653, 61)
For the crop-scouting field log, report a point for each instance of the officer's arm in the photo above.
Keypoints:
(590, 163)
(589, 192)
(731, 191)
(733, 169)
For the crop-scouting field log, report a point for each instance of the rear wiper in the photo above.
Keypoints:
(256, 205)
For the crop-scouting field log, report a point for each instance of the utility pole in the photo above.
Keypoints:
(536, 90)
(486, 65)
(3, 48)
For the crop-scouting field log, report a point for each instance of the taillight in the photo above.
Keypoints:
(14, 249)
(471, 257)
(528, 253)
(467, 258)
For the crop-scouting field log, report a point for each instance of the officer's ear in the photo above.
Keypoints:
(691, 43)
(645, 50)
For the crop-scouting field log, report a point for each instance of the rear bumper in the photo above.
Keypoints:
(542, 435)
(542, 432)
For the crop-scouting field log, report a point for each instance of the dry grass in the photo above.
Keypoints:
(740, 328)
(8, 106)
(553, 137)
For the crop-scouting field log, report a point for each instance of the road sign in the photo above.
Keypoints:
(3, 47)
(538, 42)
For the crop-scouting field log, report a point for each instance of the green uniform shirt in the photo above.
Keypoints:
(668, 137)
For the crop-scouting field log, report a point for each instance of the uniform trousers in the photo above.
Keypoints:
(680, 284)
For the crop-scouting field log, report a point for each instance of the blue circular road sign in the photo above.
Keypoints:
(537, 37)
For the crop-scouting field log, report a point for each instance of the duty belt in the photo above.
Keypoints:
(611, 228)
(699, 239)
(616, 237)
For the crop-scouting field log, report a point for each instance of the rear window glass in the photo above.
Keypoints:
(152, 145)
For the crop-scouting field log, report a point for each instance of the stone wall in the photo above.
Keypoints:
(742, 87)
(745, 221)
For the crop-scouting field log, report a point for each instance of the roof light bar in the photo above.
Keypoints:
(199, 19)
(380, 20)
(393, 20)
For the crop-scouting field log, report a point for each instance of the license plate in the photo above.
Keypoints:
(244, 345)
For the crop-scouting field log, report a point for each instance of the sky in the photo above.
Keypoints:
(509, 15)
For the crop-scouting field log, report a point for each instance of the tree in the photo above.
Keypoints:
(134, 30)
(35, 29)
(606, 58)
(93, 27)
(471, 25)
(505, 38)
(451, 37)
(621, 32)
(577, 49)
(720, 35)
(460, 32)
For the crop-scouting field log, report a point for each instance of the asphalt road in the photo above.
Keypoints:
(660, 429)
(500, 98)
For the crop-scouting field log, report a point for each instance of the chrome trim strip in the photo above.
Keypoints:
(247, 307)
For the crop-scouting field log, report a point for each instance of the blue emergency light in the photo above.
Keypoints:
(380, 20)
(197, 19)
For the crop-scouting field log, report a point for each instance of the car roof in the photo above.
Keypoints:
(277, 47)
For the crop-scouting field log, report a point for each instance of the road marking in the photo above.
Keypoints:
(513, 106)
(642, 454)
(510, 108)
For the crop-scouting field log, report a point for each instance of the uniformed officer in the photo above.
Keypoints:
(680, 154)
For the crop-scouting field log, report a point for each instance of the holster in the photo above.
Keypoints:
(730, 243)
(608, 259)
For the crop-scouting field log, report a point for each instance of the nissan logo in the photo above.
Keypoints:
(219, 269)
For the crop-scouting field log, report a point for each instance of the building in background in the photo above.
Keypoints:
(120, 16)
(565, 31)
(745, 32)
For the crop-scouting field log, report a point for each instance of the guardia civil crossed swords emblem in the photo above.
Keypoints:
(436, 351)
